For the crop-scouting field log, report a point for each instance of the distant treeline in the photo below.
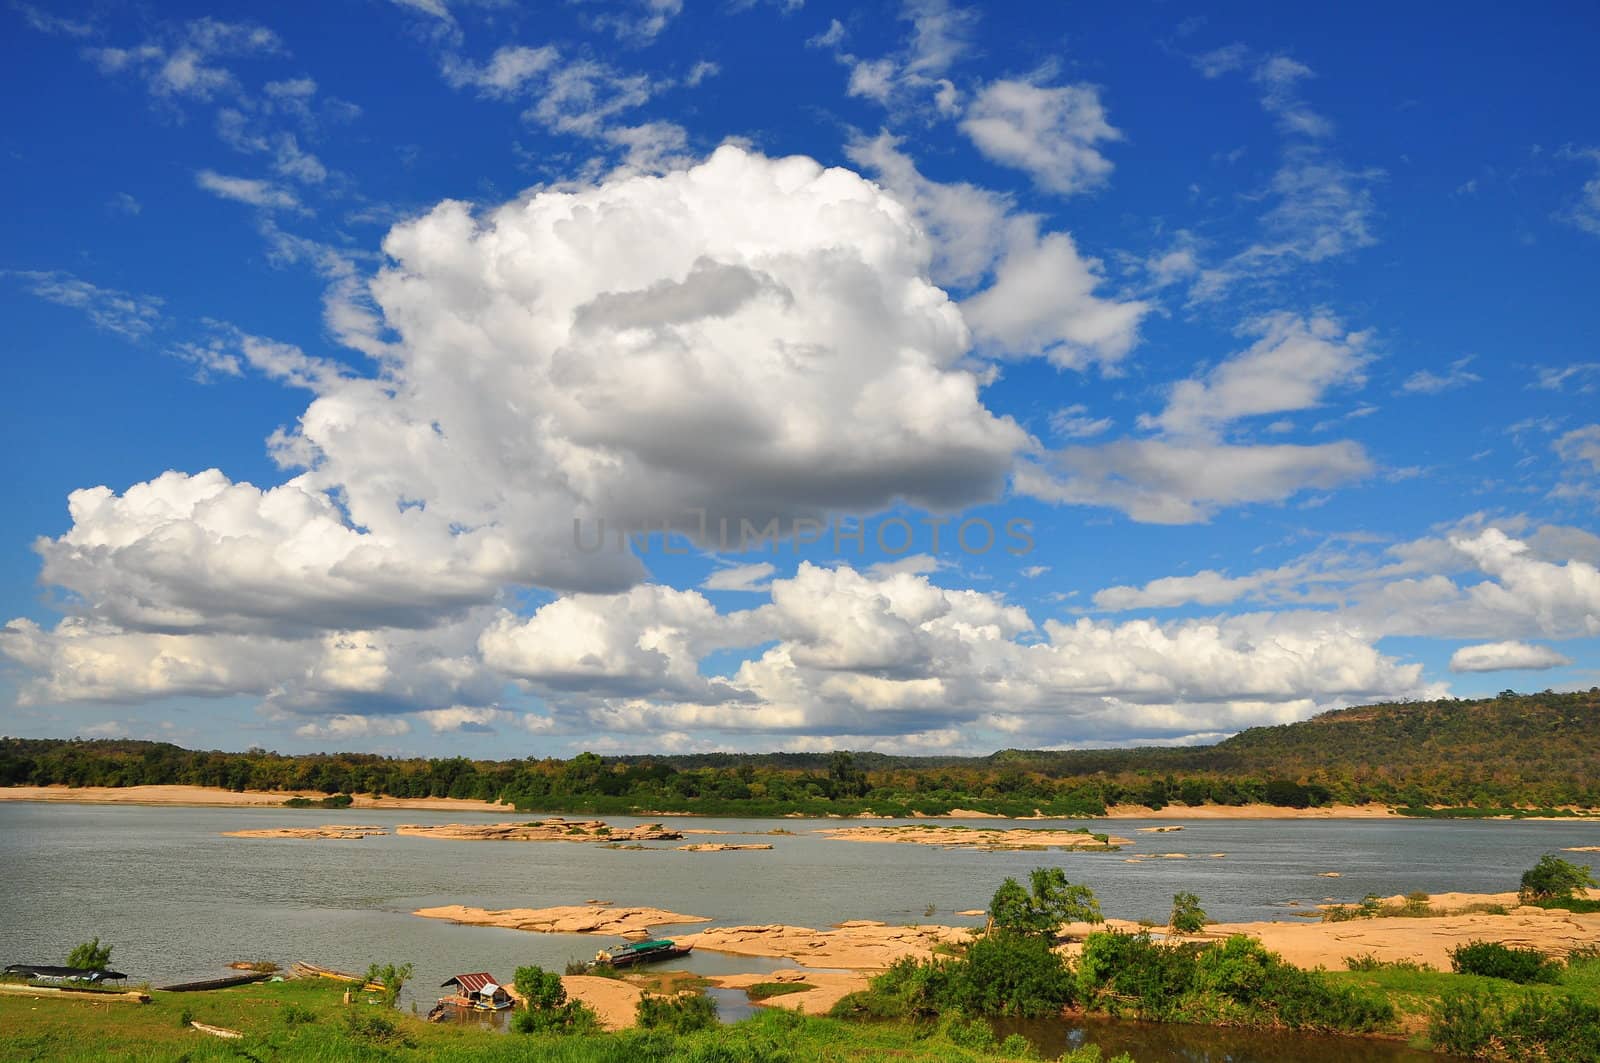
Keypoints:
(1511, 751)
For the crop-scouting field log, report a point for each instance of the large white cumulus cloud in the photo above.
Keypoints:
(750, 337)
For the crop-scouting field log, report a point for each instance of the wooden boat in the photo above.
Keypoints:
(653, 951)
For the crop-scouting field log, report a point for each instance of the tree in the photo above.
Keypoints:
(1187, 915)
(391, 978)
(1049, 902)
(90, 956)
(1554, 879)
(540, 990)
(546, 1007)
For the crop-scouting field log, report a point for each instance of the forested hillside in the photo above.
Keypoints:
(1528, 751)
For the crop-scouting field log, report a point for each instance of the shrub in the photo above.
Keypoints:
(1006, 973)
(973, 1035)
(1369, 962)
(1494, 960)
(295, 1015)
(1187, 915)
(1558, 1030)
(371, 1025)
(185, 1017)
(683, 1013)
(90, 956)
(391, 978)
(1554, 879)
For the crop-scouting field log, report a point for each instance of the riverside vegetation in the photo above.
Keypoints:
(1509, 755)
(1497, 1003)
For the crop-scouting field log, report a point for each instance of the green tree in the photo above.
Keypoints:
(1049, 902)
(1187, 915)
(90, 956)
(1554, 879)
(392, 979)
(540, 990)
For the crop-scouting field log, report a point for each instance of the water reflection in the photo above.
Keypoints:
(1178, 1043)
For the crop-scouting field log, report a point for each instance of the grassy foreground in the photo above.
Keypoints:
(305, 1022)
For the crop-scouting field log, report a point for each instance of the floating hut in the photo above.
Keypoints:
(479, 991)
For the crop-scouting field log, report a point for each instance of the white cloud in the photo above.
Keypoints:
(345, 727)
(643, 20)
(1584, 210)
(1427, 382)
(1043, 302)
(45, 22)
(130, 316)
(1074, 422)
(1291, 365)
(1505, 656)
(254, 192)
(1051, 133)
(1044, 297)
(1580, 447)
(1203, 588)
(753, 337)
(579, 96)
(182, 60)
(1161, 481)
(751, 577)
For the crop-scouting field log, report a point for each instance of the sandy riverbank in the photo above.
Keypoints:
(859, 945)
(216, 796)
(974, 837)
(827, 988)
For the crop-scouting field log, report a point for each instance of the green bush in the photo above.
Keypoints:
(1369, 962)
(1187, 915)
(683, 1013)
(1048, 902)
(1006, 973)
(1494, 960)
(90, 956)
(1555, 879)
(1552, 1029)
(1236, 981)
(295, 1015)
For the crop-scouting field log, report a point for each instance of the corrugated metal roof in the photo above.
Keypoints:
(473, 983)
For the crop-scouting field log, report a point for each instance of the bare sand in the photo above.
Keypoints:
(827, 988)
(209, 795)
(722, 847)
(973, 837)
(550, 829)
(612, 999)
(860, 945)
(565, 919)
(331, 831)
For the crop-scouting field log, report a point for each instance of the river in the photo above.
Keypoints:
(179, 901)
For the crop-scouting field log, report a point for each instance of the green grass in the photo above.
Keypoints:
(304, 1022)
(768, 990)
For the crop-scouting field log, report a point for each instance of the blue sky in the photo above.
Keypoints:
(1277, 342)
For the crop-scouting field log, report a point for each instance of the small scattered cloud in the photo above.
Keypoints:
(247, 190)
(753, 577)
(130, 316)
(1506, 656)
(1427, 382)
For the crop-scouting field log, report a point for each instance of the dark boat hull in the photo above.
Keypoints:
(633, 959)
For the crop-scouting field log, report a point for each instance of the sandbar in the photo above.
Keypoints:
(977, 837)
(565, 919)
(551, 829)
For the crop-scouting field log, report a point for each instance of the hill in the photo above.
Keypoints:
(1511, 751)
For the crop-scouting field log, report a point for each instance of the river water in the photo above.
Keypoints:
(179, 901)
